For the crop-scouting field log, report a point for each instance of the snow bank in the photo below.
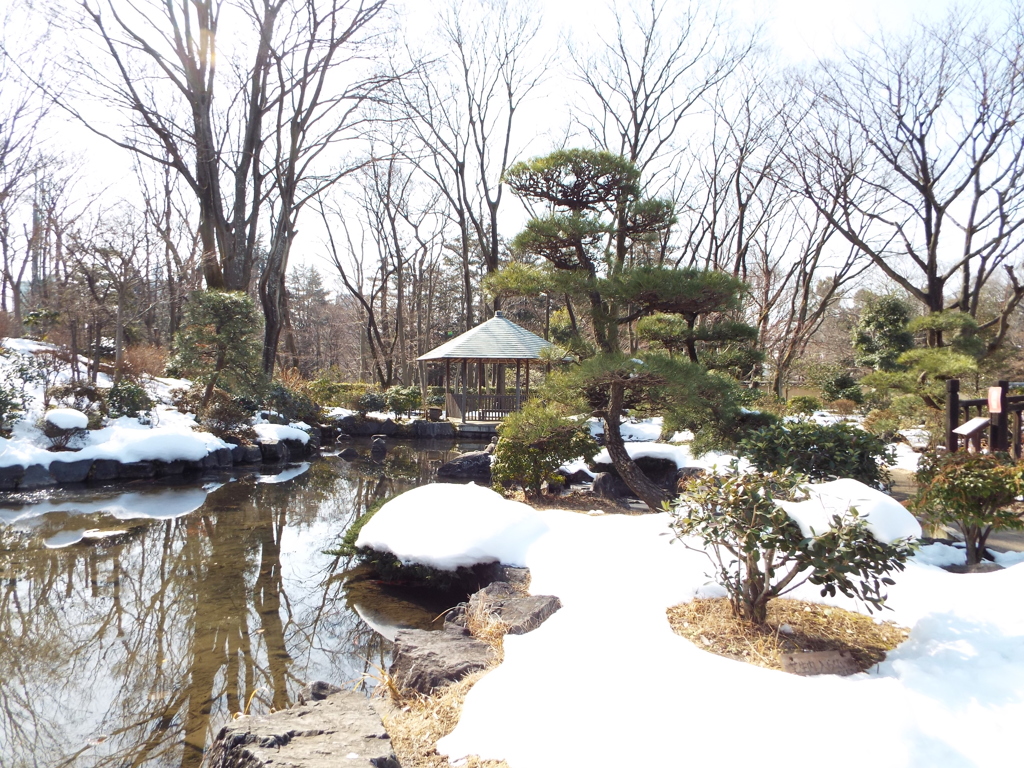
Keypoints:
(906, 457)
(677, 453)
(281, 432)
(67, 418)
(887, 519)
(446, 526)
(950, 696)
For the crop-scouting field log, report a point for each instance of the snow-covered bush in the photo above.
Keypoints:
(976, 492)
(535, 442)
(818, 451)
(62, 425)
(759, 552)
(82, 396)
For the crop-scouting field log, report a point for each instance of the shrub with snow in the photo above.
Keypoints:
(62, 425)
(759, 551)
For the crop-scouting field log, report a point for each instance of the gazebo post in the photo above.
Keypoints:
(479, 388)
(519, 399)
(465, 386)
(447, 382)
(527, 379)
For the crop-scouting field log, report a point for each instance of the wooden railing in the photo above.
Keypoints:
(999, 415)
(481, 407)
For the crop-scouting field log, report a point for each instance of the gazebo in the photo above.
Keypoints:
(496, 342)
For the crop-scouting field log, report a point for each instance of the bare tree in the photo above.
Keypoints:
(913, 150)
(259, 134)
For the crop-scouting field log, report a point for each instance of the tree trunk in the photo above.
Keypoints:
(649, 493)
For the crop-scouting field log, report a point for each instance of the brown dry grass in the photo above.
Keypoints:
(142, 359)
(710, 624)
(416, 724)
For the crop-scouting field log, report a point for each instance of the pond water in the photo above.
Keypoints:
(134, 620)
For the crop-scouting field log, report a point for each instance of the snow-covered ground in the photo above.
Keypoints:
(605, 681)
(170, 436)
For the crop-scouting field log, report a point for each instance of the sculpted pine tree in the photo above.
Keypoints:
(592, 252)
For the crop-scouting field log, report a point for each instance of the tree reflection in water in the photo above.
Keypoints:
(134, 650)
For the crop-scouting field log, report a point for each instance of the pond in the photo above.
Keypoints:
(135, 620)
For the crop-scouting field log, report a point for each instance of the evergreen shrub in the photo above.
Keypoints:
(819, 452)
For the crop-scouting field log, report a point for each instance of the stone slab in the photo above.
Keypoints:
(341, 729)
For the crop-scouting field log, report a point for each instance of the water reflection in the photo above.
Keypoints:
(157, 617)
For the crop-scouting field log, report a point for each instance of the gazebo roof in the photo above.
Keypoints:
(498, 339)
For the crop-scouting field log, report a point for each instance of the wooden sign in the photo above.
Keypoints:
(820, 663)
(995, 399)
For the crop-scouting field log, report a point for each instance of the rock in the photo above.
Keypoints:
(424, 661)
(491, 445)
(520, 613)
(359, 426)
(579, 477)
(273, 451)
(609, 486)
(137, 470)
(349, 454)
(516, 576)
(224, 457)
(387, 428)
(474, 465)
(378, 447)
(105, 469)
(36, 476)
(427, 430)
(341, 729)
(70, 471)
(251, 454)
(318, 690)
(10, 477)
(296, 448)
(165, 468)
(210, 461)
(662, 472)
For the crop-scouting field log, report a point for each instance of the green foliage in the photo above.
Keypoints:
(15, 378)
(292, 404)
(881, 335)
(759, 552)
(370, 400)
(336, 394)
(819, 452)
(688, 292)
(835, 383)
(219, 344)
(884, 424)
(402, 401)
(535, 442)
(228, 417)
(575, 179)
(126, 398)
(803, 404)
(976, 492)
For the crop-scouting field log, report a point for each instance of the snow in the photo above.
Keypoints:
(919, 438)
(887, 519)
(712, 461)
(949, 696)
(447, 526)
(906, 457)
(632, 430)
(67, 418)
(280, 432)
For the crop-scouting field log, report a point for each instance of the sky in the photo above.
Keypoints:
(801, 31)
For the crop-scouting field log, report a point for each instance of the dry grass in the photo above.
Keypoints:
(710, 625)
(416, 724)
(142, 359)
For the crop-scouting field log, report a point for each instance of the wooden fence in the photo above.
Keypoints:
(997, 416)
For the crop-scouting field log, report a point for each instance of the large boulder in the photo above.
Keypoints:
(433, 430)
(36, 476)
(609, 486)
(500, 600)
(70, 471)
(661, 472)
(342, 728)
(11, 476)
(424, 661)
(474, 465)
